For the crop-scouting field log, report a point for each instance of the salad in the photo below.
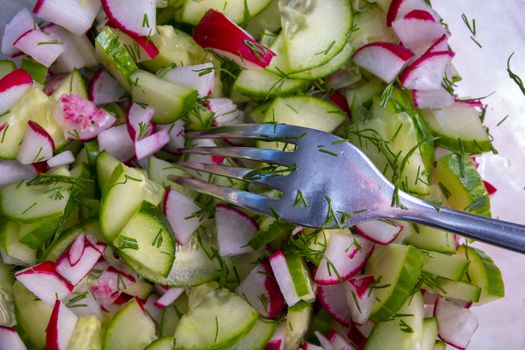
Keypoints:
(102, 248)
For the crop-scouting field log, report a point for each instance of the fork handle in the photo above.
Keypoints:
(492, 231)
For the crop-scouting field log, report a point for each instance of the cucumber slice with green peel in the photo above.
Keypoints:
(262, 84)
(257, 337)
(298, 320)
(87, 334)
(89, 227)
(147, 239)
(153, 192)
(170, 319)
(6, 67)
(269, 20)
(37, 70)
(330, 20)
(429, 334)
(401, 332)
(430, 238)
(270, 230)
(164, 343)
(125, 186)
(35, 106)
(7, 306)
(159, 170)
(217, 318)
(72, 84)
(459, 127)
(140, 289)
(303, 283)
(398, 267)
(32, 316)
(35, 235)
(360, 98)
(453, 289)
(443, 265)
(239, 11)
(114, 56)
(482, 272)
(27, 203)
(198, 119)
(170, 101)
(328, 68)
(257, 114)
(463, 185)
(130, 320)
(11, 250)
(105, 165)
(370, 26)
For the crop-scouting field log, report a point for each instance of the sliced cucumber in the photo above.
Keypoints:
(268, 20)
(217, 318)
(430, 238)
(129, 329)
(105, 165)
(257, 114)
(7, 306)
(170, 319)
(147, 239)
(7, 66)
(262, 84)
(12, 251)
(165, 343)
(238, 11)
(140, 289)
(454, 289)
(303, 283)
(328, 68)
(159, 170)
(446, 266)
(72, 84)
(87, 334)
(370, 26)
(35, 235)
(482, 272)
(439, 345)
(298, 320)
(430, 333)
(398, 267)
(459, 127)
(360, 98)
(257, 337)
(170, 101)
(464, 185)
(37, 70)
(32, 315)
(114, 56)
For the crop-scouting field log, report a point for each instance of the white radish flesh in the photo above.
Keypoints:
(379, 231)
(117, 142)
(105, 89)
(180, 211)
(418, 32)
(169, 297)
(200, 77)
(17, 25)
(139, 121)
(44, 48)
(136, 17)
(60, 327)
(284, 278)
(176, 133)
(456, 324)
(427, 72)
(77, 16)
(360, 297)
(37, 146)
(333, 300)
(61, 159)
(12, 171)
(10, 340)
(13, 86)
(234, 230)
(225, 111)
(432, 99)
(151, 144)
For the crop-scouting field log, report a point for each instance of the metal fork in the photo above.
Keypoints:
(330, 182)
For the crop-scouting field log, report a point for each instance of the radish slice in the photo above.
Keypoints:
(117, 142)
(37, 146)
(440, 44)
(200, 158)
(176, 133)
(427, 72)
(284, 278)
(151, 308)
(278, 339)
(360, 297)
(310, 346)
(109, 285)
(399, 8)
(418, 31)
(60, 327)
(137, 17)
(20, 23)
(80, 119)
(141, 48)
(365, 329)
(225, 112)
(379, 231)
(234, 230)
(12, 171)
(343, 258)
(82, 302)
(333, 300)
(439, 98)
(77, 16)
(104, 89)
(180, 211)
(10, 340)
(456, 324)
(151, 144)
(61, 159)
(169, 297)
(338, 341)
(385, 60)
(200, 77)
(78, 50)
(79, 259)
(325, 343)
(43, 281)
(139, 121)
(218, 33)
(261, 290)
(13, 86)
(43, 47)
(490, 188)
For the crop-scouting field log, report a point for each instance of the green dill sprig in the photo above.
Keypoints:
(516, 78)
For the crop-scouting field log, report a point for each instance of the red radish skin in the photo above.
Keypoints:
(179, 210)
(441, 44)
(340, 101)
(44, 282)
(310, 346)
(338, 341)
(80, 119)
(360, 298)
(147, 48)
(278, 339)
(17, 25)
(117, 142)
(10, 340)
(77, 16)
(356, 337)
(490, 188)
(385, 60)
(427, 72)
(43, 47)
(456, 324)
(217, 32)
(378, 231)
(13, 86)
(139, 121)
(12, 171)
(104, 89)
(399, 8)
(60, 328)
(418, 33)
(333, 300)
(176, 133)
(199, 77)
(151, 144)
(135, 17)
(420, 14)
(109, 285)
(37, 146)
(235, 229)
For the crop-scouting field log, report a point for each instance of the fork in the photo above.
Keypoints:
(329, 182)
